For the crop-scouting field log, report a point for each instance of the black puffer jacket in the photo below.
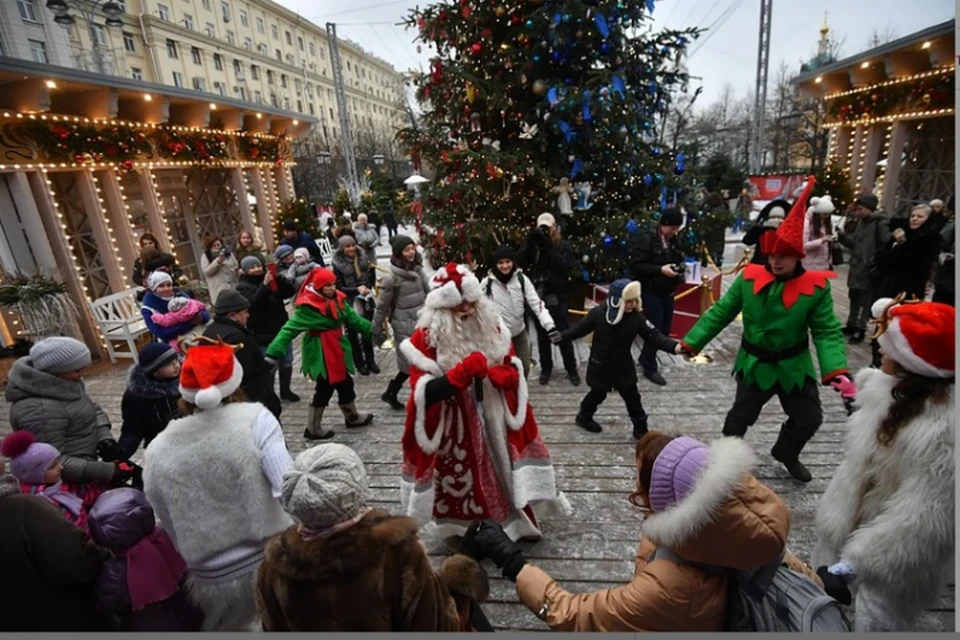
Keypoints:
(147, 406)
(906, 266)
(347, 279)
(268, 314)
(547, 265)
(611, 365)
(647, 260)
(257, 377)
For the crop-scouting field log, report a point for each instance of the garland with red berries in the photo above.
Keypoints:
(926, 94)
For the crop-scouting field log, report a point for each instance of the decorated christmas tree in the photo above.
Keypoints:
(530, 105)
(300, 212)
(834, 181)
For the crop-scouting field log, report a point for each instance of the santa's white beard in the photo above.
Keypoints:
(455, 338)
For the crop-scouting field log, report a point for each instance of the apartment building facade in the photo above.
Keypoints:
(251, 50)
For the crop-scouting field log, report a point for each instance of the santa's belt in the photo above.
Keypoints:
(770, 356)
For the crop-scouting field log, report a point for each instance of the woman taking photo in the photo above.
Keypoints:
(219, 267)
(885, 526)
(704, 504)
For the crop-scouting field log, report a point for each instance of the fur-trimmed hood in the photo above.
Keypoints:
(142, 385)
(729, 518)
(26, 381)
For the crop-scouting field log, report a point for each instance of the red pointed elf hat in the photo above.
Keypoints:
(788, 238)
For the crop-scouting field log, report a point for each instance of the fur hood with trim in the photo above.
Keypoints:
(889, 510)
(26, 381)
(316, 585)
(141, 385)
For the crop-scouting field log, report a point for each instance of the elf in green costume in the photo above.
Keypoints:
(326, 355)
(782, 305)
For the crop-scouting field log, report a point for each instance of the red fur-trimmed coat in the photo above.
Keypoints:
(466, 461)
(374, 576)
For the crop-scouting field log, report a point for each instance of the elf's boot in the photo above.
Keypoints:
(639, 429)
(390, 395)
(787, 451)
(315, 430)
(733, 428)
(367, 345)
(353, 417)
(286, 393)
(589, 424)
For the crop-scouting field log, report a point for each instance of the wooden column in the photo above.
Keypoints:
(97, 218)
(240, 189)
(891, 180)
(151, 203)
(52, 234)
(284, 188)
(874, 145)
(857, 144)
(116, 210)
(264, 206)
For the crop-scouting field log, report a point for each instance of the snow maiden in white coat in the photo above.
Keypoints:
(885, 526)
(471, 446)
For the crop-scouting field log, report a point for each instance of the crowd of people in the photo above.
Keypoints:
(221, 529)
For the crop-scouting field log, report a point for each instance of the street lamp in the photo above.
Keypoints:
(323, 157)
(110, 9)
(378, 159)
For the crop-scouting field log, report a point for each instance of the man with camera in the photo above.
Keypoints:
(547, 260)
(656, 261)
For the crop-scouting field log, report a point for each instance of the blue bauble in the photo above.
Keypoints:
(557, 56)
(648, 180)
(605, 48)
(608, 241)
(529, 24)
(536, 59)
(658, 177)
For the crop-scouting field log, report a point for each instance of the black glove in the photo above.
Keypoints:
(123, 473)
(554, 336)
(835, 586)
(487, 539)
(108, 450)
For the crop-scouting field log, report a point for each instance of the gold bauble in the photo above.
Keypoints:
(539, 87)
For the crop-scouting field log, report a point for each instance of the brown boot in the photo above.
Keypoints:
(353, 417)
(315, 430)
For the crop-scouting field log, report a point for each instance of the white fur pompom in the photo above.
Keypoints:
(209, 398)
(877, 309)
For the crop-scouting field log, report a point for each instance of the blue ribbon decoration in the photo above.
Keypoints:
(552, 96)
(577, 168)
(587, 117)
(617, 83)
(565, 128)
(602, 26)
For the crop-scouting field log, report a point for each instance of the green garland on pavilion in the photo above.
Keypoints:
(933, 92)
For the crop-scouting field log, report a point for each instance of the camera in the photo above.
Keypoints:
(225, 252)
(680, 267)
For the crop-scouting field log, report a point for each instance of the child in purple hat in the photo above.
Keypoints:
(37, 465)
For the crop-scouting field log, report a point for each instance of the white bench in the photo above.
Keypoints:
(119, 319)
(326, 250)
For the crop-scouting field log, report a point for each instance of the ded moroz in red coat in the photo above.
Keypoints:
(462, 464)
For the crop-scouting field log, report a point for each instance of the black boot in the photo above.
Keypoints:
(588, 423)
(639, 429)
(390, 395)
(371, 362)
(787, 451)
(286, 393)
(858, 336)
(734, 429)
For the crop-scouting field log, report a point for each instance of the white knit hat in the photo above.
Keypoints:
(452, 285)
(547, 219)
(210, 373)
(920, 337)
(823, 204)
(157, 278)
(326, 486)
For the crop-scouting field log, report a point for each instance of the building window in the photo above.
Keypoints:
(225, 7)
(243, 18)
(27, 10)
(273, 99)
(220, 88)
(310, 104)
(206, 4)
(275, 31)
(247, 43)
(238, 69)
(260, 25)
(177, 79)
(290, 58)
(313, 49)
(283, 80)
(164, 12)
(300, 43)
(279, 55)
(297, 85)
(323, 55)
(136, 73)
(199, 84)
(197, 56)
(188, 21)
(99, 34)
(172, 49)
(254, 72)
(258, 97)
(211, 30)
(262, 49)
(269, 76)
(38, 50)
(286, 104)
(129, 43)
(299, 107)
(289, 38)
(230, 38)
(217, 62)
(240, 92)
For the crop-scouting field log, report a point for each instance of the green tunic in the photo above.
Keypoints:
(306, 318)
(777, 315)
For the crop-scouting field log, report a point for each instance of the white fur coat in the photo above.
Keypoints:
(889, 510)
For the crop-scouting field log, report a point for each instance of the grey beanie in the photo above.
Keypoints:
(282, 251)
(326, 486)
(249, 262)
(346, 241)
(230, 300)
(60, 355)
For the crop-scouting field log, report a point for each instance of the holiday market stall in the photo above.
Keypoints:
(88, 163)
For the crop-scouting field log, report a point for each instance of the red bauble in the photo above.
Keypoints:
(476, 48)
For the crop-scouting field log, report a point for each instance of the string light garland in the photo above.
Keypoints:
(913, 115)
(98, 186)
(889, 83)
(163, 210)
(137, 125)
(882, 171)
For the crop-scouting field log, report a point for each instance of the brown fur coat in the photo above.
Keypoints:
(374, 576)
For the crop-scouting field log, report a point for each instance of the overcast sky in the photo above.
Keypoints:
(728, 53)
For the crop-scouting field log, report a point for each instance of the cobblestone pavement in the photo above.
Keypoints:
(593, 548)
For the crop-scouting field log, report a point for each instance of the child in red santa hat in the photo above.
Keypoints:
(885, 526)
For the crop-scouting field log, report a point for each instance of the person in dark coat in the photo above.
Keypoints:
(144, 584)
(150, 401)
(147, 241)
(653, 262)
(230, 324)
(294, 238)
(906, 259)
(614, 325)
(547, 260)
(351, 268)
(767, 220)
(49, 571)
(945, 280)
(390, 221)
(268, 314)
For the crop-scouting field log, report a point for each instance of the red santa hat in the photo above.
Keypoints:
(788, 238)
(452, 285)
(919, 336)
(210, 373)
